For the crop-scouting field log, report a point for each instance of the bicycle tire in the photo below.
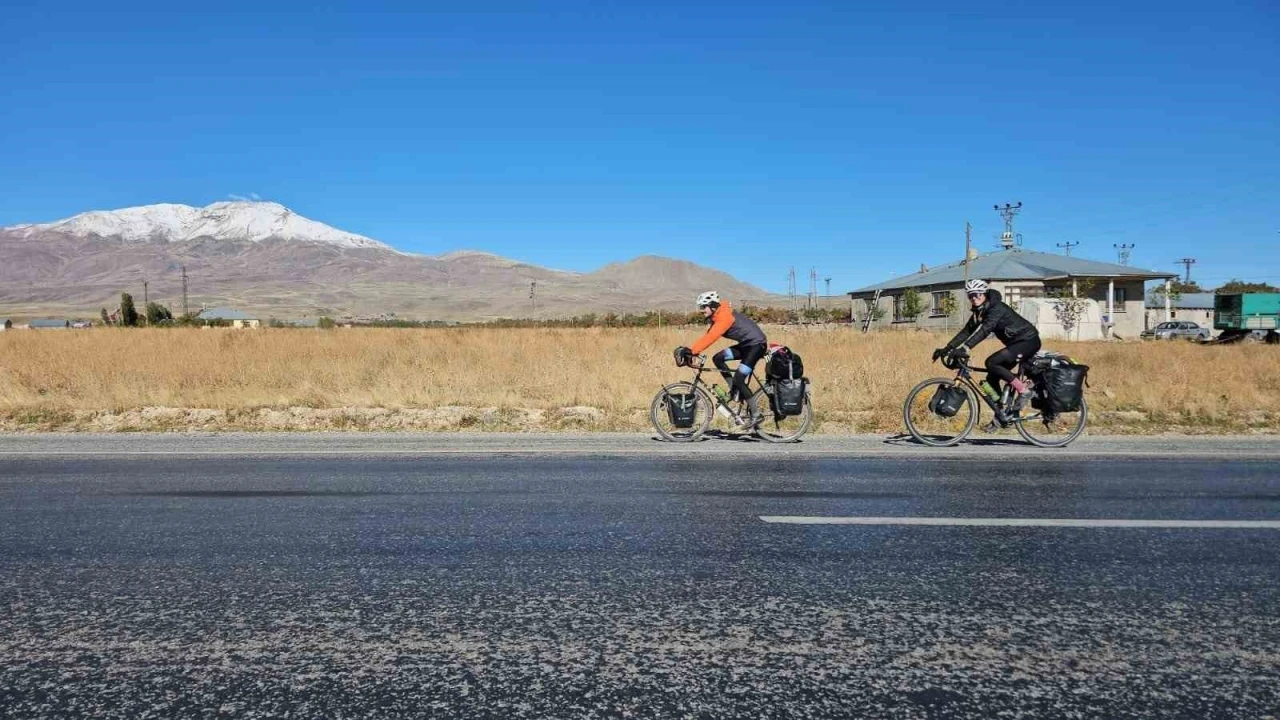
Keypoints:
(1070, 438)
(704, 413)
(931, 439)
(762, 412)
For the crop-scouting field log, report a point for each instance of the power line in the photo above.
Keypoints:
(1009, 238)
(1066, 246)
(968, 231)
(186, 307)
(1124, 250)
(1188, 262)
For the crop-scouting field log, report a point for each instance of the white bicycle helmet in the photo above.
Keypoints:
(709, 298)
(975, 287)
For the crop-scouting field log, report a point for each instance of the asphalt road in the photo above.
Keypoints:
(335, 577)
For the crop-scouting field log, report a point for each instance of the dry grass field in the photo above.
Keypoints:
(531, 379)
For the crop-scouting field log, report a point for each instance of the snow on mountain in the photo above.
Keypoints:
(238, 220)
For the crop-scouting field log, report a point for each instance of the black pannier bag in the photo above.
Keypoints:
(681, 409)
(947, 401)
(1064, 387)
(784, 365)
(788, 396)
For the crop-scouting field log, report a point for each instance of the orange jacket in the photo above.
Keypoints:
(725, 322)
(721, 321)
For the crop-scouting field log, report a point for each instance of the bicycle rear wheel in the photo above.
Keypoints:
(1055, 431)
(661, 418)
(928, 427)
(775, 428)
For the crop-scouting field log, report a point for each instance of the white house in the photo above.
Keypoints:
(1029, 281)
(233, 318)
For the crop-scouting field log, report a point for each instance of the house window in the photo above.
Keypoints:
(1016, 293)
(936, 308)
(1121, 296)
(898, 305)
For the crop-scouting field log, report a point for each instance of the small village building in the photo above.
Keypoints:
(1029, 282)
(1192, 307)
(229, 317)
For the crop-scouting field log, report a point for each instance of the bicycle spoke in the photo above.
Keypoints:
(931, 428)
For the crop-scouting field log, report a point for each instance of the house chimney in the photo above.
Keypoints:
(973, 254)
(924, 268)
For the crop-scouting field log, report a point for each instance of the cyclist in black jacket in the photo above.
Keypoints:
(992, 317)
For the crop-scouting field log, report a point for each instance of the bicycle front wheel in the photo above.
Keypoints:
(774, 427)
(669, 422)
(1054, 431)
(933, 429)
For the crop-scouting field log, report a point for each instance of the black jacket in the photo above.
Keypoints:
(994, 317)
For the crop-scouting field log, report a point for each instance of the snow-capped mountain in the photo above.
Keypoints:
(261, 257)
(237, 221)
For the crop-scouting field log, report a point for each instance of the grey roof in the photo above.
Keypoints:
(303, 322)
(224, 313)
(48, 323)
(1016, 264)
(1187, 301)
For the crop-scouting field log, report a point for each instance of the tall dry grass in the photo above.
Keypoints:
(859, 381)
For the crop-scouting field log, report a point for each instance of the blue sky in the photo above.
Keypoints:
(747, 136)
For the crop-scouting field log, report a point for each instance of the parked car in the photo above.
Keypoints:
(1178, 330)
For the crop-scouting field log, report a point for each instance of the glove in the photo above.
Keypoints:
(683, 356)
(940, 353)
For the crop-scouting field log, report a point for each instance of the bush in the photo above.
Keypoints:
(157, 313)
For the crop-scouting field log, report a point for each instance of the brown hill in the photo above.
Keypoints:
(50, 272)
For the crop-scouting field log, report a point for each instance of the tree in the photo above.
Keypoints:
(326, 323)
(1070, 309)
(1239, 286)
(948, 305)
(106, 319)
(157, 313)
(912, 304)
(128, 313)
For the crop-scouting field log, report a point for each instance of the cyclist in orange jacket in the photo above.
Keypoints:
(751, 343)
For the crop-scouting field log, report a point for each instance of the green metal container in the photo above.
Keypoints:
(1247, 311)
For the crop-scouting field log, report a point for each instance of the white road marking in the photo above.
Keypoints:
(1023, 522)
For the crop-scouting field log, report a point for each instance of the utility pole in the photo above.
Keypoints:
(1066, 246)
(791, 289)
(968, 231)
(533, 295)
(1123, 251)
(813, 288)
(146, 300)
(828, 281)
(1188, 262)
(1009, 238)
(186, 307)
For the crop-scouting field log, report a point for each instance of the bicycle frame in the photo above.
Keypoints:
(964, 374)
(701, 367)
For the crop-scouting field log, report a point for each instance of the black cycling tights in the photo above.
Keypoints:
(747, 357)
(1000, 364)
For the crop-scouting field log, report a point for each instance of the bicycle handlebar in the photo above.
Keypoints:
(956, 361)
